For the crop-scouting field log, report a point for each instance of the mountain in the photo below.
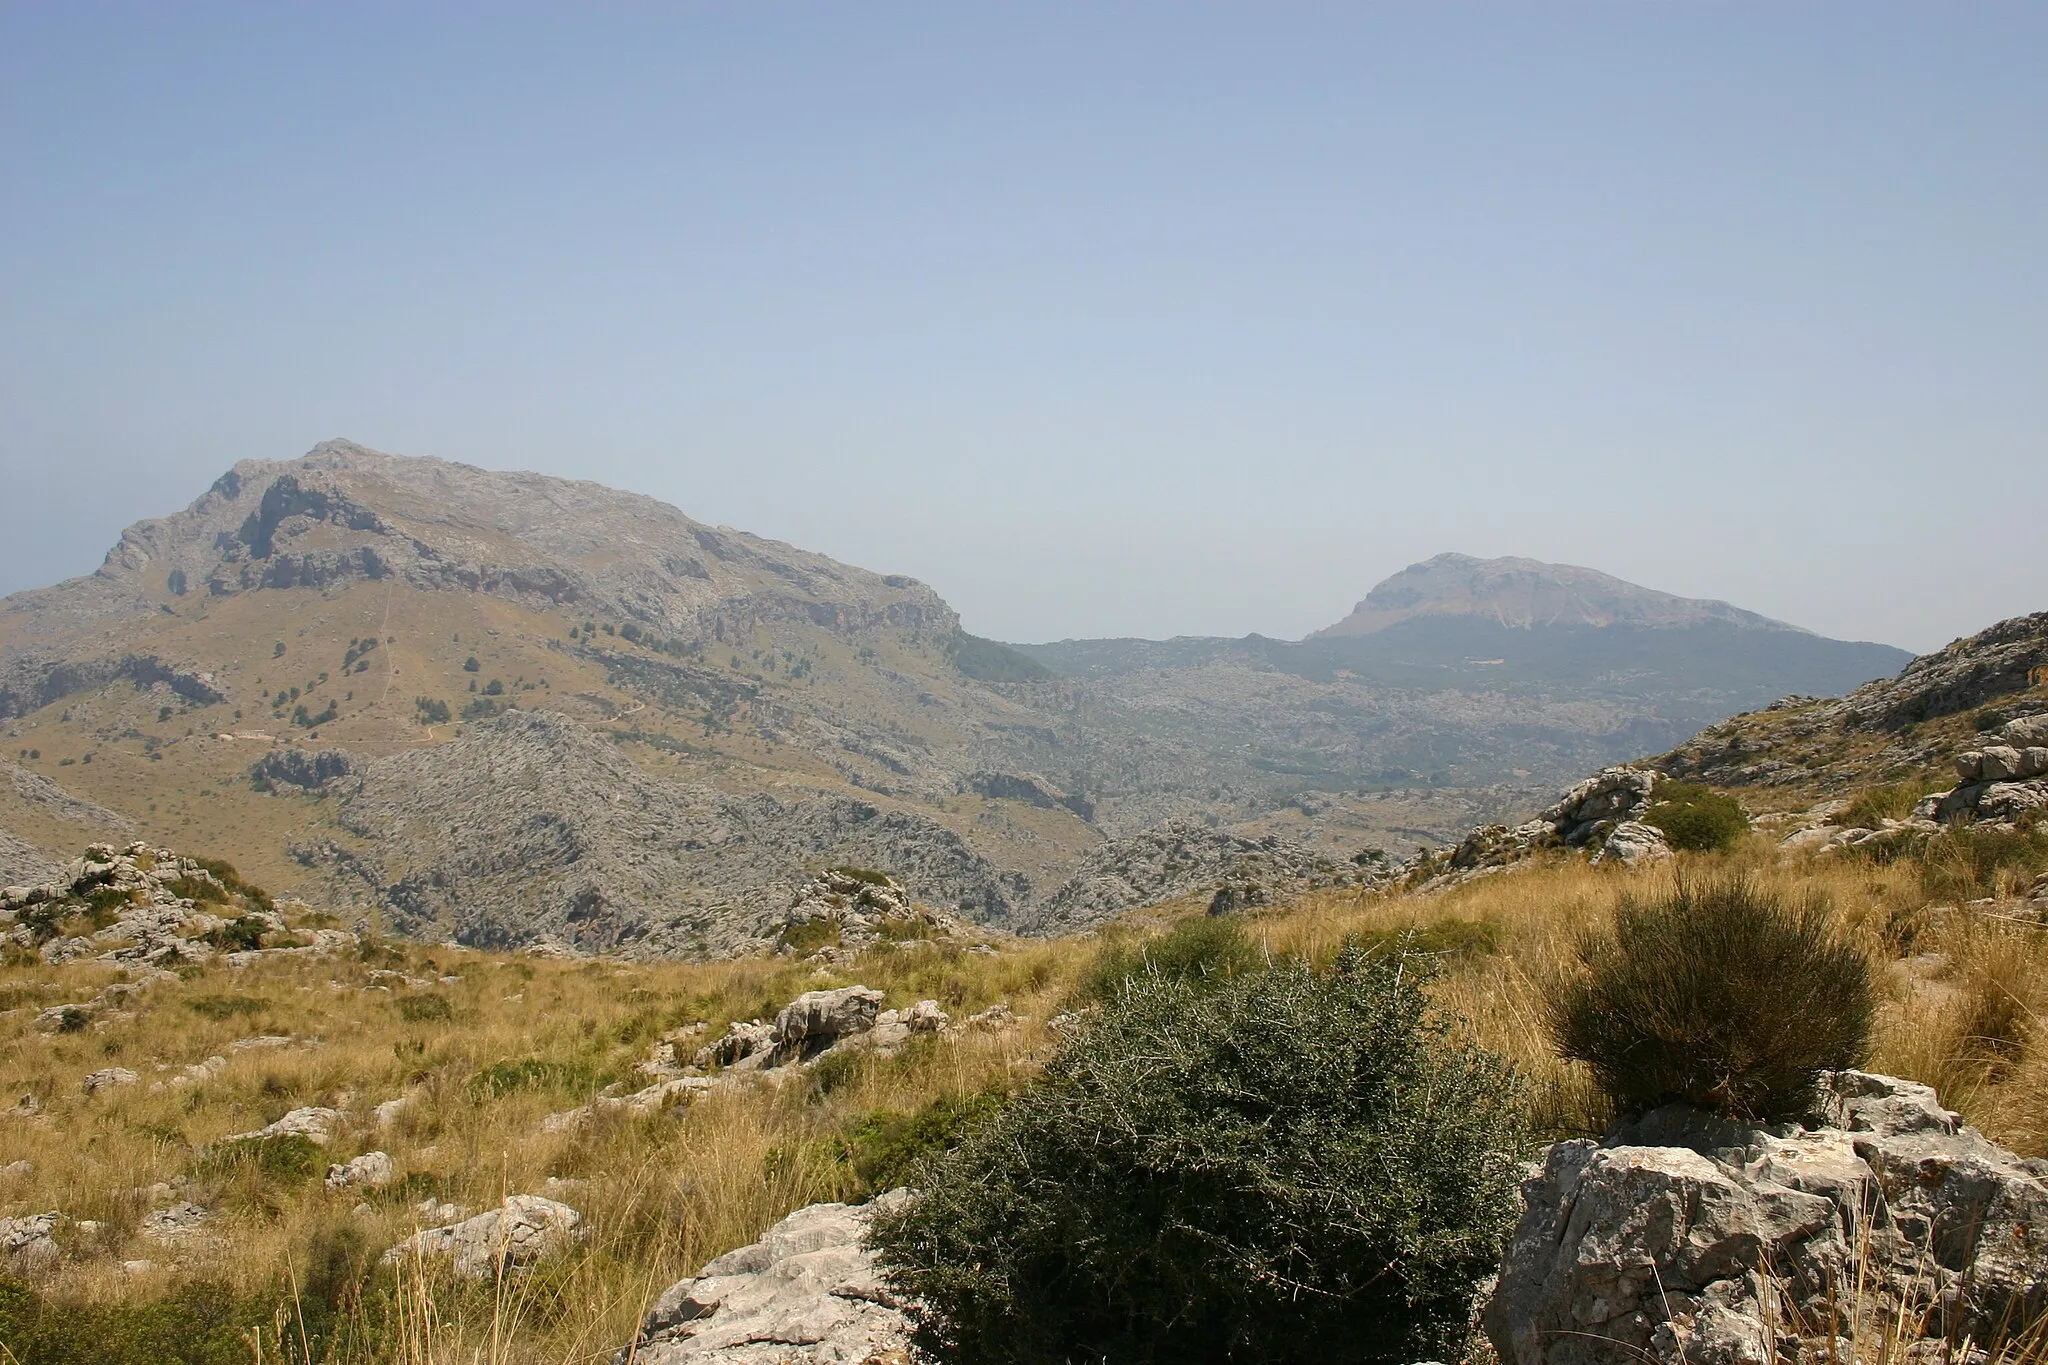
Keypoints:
(1527, 593)
(509, 708)
(1462, 672)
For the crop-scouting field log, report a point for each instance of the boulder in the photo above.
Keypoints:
(371, 1170)
(108, 1079)
(741, 1041)
(1632, 842)
(1684, 1237)
(816, 1019)
(894, 1028)
(807, 1293)
(512, 1237)
(2026, 731)
(313, 1123)
(29, 1244)
(1998, 763)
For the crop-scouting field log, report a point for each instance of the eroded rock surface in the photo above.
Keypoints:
(1683, 1237)
(513, 1236)
(807, 1293)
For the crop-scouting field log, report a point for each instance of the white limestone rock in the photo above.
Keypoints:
(807, 1293)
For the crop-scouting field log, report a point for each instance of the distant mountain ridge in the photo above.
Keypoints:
(511, 707)
(1524, 593)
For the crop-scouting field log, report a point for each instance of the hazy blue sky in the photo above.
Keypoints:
(1103, 319)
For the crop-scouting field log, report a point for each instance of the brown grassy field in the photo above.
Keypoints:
(484, 1047)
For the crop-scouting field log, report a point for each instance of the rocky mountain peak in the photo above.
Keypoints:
(1523, 593)
(344, 511)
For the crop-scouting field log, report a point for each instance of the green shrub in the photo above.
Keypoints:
(1449, 938)
(238, 935)
(528, 1073)
(431, 710)
(425, 1009)
(866, 875)
(1281, 1166)
(1202, 948)
(883, 1146)
(223, 1007)
(1719, 995)
(1696, 818)
(286, 1159)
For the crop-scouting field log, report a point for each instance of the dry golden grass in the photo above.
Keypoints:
(1965, 996)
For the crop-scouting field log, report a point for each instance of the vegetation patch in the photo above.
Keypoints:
(1198, 951)
(883, 1146)
(425, 1009)
(1719, 995)
(1280, 1166)
(220, 1008)
(1696, 818)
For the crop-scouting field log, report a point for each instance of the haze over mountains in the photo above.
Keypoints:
(705, 715)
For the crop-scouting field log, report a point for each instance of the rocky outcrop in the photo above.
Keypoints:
(1603, 814)
(512, 1237)
(1180, 858)
(1682, 1237)
(818, 1022)
(529, 828)
(1828, 745)
(807, 1293)
(2002, 781)
(844, 911)
(29, 1244)
(144, 906)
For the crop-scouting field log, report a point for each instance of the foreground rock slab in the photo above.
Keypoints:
(807, 1293)
(512, 1237)
(1687, 1238)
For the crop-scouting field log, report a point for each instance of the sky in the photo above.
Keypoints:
(1135, 319)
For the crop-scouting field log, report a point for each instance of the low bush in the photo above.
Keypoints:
(1696, 818)
(425, 1009)
(239, 935)
(1279, 1166)
(1201, 949)
(223, 1007)
(1719, 995)
(884, 1147)
(528, 1073)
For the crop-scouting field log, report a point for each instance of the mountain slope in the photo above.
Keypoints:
(1902, 729)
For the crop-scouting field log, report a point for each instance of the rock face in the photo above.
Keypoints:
(1603, 813)
(1683, 1237)
(1181, 857)
(529, 828)
(1821, 743)
(807, 1293)
(29, 1244)
(2003, 781)
(144, 906)
(511, 1237)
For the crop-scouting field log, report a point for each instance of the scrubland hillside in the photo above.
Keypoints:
(483, 1049)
